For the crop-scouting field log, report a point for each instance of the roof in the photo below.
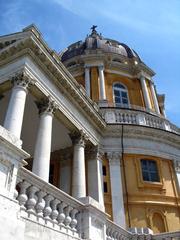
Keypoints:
(96, 41)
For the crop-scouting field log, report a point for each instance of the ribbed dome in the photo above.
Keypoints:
(96, 41)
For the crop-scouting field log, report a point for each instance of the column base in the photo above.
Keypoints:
(91, 201)
(103, 103)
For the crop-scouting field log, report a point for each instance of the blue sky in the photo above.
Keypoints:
(151, 27)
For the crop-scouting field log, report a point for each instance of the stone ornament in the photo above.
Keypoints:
(78, 138)
(46, 105)
(22, 79)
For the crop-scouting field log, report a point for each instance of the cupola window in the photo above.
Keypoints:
(149, 170)
(120, 95)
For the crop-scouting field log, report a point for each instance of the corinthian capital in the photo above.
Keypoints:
(94, 152)
(22, 79)
(114, 157)
(177, 166)
(46, 105)
(78, 138)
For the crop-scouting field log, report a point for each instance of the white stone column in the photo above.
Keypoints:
(65, 171)
(102, 83)
(177, 171)
(145, 92)
(95, 176)
(41, 162)
(116, 188)
(87, 81)
(78, 168)
(156, 105)
(15, 112)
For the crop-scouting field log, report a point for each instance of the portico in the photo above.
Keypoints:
(38, 118)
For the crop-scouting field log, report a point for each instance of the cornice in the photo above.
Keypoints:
(127, 66)
(143, 132)
(49, 59)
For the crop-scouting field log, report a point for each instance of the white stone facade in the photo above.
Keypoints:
(31, 208)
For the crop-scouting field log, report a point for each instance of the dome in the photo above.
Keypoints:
(96, 41)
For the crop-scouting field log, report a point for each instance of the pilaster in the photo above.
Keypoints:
(116, 188)
(94, 158)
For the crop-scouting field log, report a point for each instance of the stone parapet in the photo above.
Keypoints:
(137, 117)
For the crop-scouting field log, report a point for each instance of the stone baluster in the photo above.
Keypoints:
(40, 203)
(115, 235)
(22, 197)
(61, 216)
(15, 112)
(73, 223)
(54, 213)
(32, 199)
(42, 152)
(47, 210)
(68, 219)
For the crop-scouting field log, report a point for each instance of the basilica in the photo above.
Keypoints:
(86, 149)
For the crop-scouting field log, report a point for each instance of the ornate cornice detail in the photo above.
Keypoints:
(46, 105)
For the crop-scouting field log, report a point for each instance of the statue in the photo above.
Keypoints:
(94, 28)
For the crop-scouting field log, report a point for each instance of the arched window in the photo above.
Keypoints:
(120, 95)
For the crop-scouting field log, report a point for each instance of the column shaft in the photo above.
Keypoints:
(116, 189)
(78, 172)
(15, 112)
(87, 81)
(95, 177)
(42, 153)
(156, 105)
(145, 92)
(102, 83)
(41, 162)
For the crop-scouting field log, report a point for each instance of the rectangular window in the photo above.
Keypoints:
(104, 171)
(149, 171)
(105, 187)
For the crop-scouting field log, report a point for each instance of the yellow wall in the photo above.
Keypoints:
(107, 196)
(133, 86)
(149, 201)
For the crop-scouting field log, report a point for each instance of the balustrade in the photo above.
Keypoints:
(115, 232)
(136, 117)
(47, 205)
(43, 201)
